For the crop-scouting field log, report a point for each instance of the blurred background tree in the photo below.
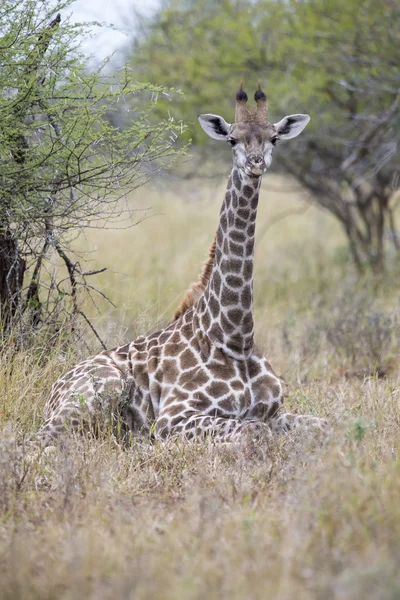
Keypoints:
(338, 61)
(65, 160)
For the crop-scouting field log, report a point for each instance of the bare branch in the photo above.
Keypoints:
(82, 314)
(368, 137)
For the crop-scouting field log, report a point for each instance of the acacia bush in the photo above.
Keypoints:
(64, 163)
(363, 333)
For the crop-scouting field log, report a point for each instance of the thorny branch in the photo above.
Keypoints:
(69, 155)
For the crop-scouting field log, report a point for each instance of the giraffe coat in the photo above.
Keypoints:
(199, 374)
(202, 375)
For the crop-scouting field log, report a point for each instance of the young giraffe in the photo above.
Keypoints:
(202, 374)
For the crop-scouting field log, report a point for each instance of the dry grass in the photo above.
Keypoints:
(301, 519)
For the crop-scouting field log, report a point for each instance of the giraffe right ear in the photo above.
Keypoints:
(214, 126)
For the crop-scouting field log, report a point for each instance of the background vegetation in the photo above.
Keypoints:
(64, 163)
(337, 61)
(302, 518)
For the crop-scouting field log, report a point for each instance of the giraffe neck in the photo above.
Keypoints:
(224, 313)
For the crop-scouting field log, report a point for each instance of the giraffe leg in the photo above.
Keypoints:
(199, 426)
(95, 402)
(284, 422)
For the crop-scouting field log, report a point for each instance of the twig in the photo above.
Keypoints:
(33, 286)
(369, 135)
(91, 287)
(71, 268)
(80, 312)
(88, 273)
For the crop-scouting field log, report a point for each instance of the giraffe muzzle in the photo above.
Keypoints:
(256, 164)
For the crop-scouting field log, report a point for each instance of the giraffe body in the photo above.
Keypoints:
(202, 374)
(169, 383)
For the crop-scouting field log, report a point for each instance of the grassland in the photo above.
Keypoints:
(299, 519)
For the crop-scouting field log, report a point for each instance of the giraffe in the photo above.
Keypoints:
(202, 375)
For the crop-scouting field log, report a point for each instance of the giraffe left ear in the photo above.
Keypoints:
(214, 126)
(291, 126)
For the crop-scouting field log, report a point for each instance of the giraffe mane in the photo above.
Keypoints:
(196, 288)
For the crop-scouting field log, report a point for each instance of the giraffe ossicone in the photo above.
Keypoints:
(202, 375)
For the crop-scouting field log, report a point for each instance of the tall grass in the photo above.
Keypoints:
(300, 518)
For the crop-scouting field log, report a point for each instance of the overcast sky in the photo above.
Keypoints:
(120, 13)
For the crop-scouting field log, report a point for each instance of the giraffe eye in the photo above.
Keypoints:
(233, 142)
(274, 140)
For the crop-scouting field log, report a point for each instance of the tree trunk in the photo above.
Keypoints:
(12, 270)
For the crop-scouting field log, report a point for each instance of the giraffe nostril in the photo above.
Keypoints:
(257, 159)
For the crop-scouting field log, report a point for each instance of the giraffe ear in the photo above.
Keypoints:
(291, 126)
(214, 126)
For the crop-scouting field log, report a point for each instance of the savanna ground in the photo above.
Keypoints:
(299, 519)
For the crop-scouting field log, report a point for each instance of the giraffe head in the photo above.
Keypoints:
(252, 136)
